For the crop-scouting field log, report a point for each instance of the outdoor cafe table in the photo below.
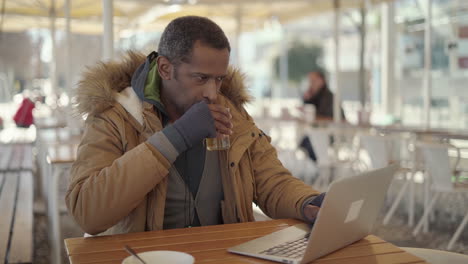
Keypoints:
(209, 244)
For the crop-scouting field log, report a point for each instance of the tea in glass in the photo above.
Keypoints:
(221, 142)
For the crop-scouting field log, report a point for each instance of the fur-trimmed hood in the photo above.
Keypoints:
(100, 84)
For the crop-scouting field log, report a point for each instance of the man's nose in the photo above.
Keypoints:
(211, 91)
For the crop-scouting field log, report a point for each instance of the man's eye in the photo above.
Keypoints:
(201, 78)
(220, 79)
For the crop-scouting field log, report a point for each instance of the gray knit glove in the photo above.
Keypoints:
(196, 124)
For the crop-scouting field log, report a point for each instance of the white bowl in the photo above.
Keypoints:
(161, 257)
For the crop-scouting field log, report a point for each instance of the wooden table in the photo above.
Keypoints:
(49, 122)
(209, 245)
(441, 133)
(16, 157)
(17, 218)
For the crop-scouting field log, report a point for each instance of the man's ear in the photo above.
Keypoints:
(164, 67)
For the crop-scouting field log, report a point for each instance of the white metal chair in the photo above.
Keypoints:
(378, 148)
(438, 167)
(382, 151)
(327, 158)
(320, 141)
(298, 164)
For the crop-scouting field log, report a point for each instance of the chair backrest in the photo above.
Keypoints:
(75, 123)
(376, 147)
(286, 132)
(320, 140)
(300, 166)
(437, 165)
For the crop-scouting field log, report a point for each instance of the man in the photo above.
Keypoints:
(142, 164)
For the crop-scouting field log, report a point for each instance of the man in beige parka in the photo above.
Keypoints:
(142, 164)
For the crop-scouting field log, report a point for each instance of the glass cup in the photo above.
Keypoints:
(221, 142)
(309, 114)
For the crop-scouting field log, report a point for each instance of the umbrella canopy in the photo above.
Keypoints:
(154, 15)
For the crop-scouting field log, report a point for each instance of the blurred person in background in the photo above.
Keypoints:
(142, 164)
(319, 95)
(24, 115)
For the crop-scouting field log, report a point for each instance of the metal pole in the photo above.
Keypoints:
(2, 17)
(388, 37)
(362, 71)
(53, 61)
(238, 33)
(108, 31)
(283, 64)
(68, 59)
(336, 38)
(427, 82)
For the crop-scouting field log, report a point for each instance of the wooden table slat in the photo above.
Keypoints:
(27, 163)
(17, 157)
(7, 197)
(180, 232)
(251, 233)
(199, 248)
(209, 245)
(120, 253)
(208, 237)
(389, 258)
(5, 156)
(22, 241)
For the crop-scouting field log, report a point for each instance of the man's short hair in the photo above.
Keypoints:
(180, 35)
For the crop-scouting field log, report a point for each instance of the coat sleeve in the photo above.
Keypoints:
(106, 183)
(279, 194)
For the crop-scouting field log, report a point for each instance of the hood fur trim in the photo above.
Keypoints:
(99, 84)
(98, 88)
(130, 101)
(233, 87)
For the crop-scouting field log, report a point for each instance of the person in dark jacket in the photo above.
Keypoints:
(319, 95)
(24, 116)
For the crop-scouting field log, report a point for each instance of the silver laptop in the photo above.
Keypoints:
(347, 215)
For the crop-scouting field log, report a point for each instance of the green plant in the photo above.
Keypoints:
(302, 59)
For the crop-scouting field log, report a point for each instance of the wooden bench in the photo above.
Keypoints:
(16, 157)
(16, 221)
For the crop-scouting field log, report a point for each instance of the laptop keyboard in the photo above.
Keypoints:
(291, 249)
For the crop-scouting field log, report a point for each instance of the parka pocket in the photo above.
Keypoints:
(252, 173)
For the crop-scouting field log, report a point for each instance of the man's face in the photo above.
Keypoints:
(198, 80)
(315, 83)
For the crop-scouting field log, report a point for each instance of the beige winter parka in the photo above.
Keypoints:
(118, 182)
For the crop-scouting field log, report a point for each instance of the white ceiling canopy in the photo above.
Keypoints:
(153, 15)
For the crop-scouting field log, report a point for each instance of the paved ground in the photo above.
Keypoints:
(399, 234)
